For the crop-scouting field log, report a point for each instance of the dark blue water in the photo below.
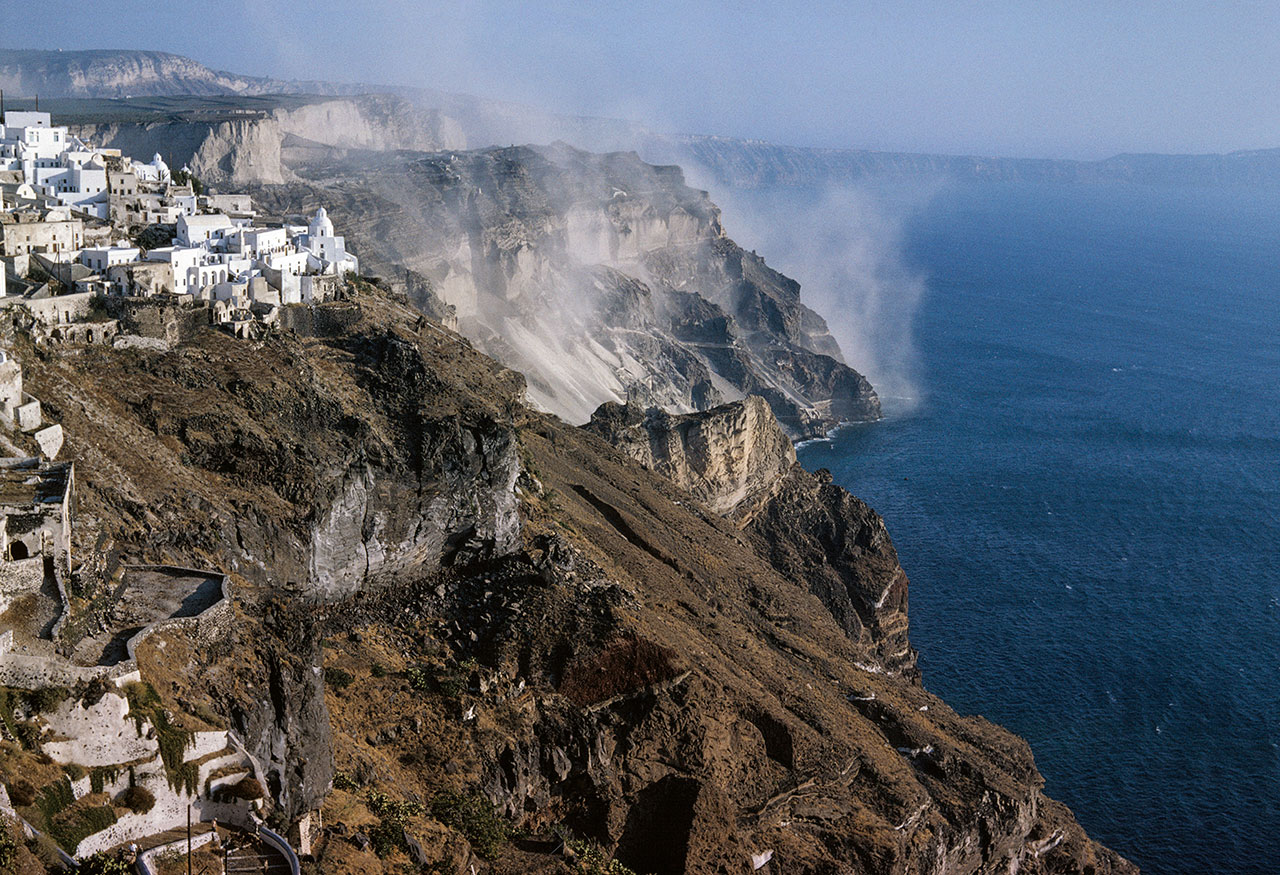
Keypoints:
(1086, 500)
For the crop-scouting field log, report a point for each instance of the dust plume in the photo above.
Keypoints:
(846, 247)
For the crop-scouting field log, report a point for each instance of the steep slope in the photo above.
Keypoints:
(600, 277)
(321, 464)
(629, 667)
(739, 464)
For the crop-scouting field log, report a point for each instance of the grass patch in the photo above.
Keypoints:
(145, 706)
(474, 816)
(338, 678)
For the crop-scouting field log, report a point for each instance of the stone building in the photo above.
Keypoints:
(36, 507)
(49, 232)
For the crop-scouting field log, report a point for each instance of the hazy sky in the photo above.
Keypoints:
(1070, 79)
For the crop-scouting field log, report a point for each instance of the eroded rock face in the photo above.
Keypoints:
(600, 277)
(251, 147)
(731, 458)
(661, 688)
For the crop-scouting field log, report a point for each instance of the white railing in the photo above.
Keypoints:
(277, 841)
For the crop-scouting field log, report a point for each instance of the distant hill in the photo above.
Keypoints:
(468, 121)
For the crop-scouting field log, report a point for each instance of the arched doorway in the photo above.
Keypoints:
(18, 550)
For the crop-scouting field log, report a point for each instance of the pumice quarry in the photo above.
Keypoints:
(374, 499)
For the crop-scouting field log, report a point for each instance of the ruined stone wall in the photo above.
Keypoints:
(19, 577)
(26, 672)
(158, 318)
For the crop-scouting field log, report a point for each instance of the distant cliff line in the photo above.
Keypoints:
(100, 80)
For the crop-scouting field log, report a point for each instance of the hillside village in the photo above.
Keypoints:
(100, 248)
(87, 233)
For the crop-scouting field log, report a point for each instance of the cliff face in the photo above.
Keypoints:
(732, 458)
(615, 661)
(739, 464)
(600, 277)
(110, 73)
(239, 148)
(349, 475)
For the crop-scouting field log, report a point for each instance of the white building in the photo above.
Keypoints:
(156, 172)
(185, 263)
(30, 141)
(103, 259)
(329, 250)
(260, 242)
(203, 229)
(54, 163)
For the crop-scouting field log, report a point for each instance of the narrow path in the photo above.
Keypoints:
(249, 855)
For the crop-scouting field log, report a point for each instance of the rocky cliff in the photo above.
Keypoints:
(249, 142)
(517, 624)
(739, 464)
(600, 277)
(111, 73)
(732, 458)
(347, 474)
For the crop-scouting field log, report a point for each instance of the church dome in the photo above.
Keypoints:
(321, 226)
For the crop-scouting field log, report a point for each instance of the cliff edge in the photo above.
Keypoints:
(529, 648)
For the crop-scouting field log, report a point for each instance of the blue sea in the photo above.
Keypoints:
(1085, 493)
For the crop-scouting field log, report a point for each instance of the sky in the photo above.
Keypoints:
(1037, 79)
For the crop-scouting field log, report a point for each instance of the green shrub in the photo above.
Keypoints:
(378, 670)
(103, 863)
(74, 826)
(474, 816)
(338, 678)
(28, 734)
(101, 776)
(54, 799)
(386, 837)
(145, 705)
(392, 809)
(587, 857)
(75, 771)
(45, 699)
(139, 800)
(420, 679)
(8, 847)
(343, 781)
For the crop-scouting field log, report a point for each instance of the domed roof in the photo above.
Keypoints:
(321, 226)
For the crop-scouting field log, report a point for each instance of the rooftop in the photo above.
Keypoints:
(26, 483)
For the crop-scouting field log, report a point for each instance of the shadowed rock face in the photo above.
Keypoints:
(814, 531)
